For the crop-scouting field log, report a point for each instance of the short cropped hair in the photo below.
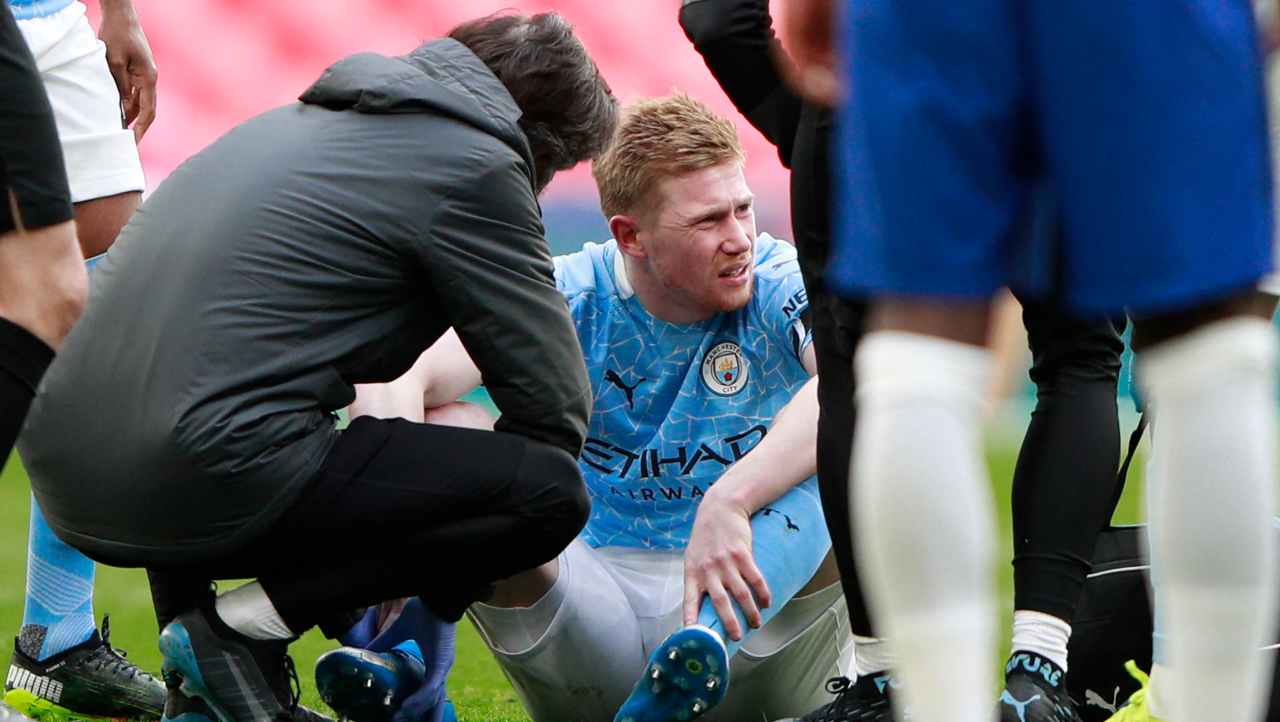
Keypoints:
(658, 138)
(568, 111)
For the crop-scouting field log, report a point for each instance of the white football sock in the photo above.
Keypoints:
(1213, 395)
(249, 611)
(1155, 691)
(925, 523)
(871, 655)
(1044, 634)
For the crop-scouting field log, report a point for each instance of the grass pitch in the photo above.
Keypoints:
(477, 686)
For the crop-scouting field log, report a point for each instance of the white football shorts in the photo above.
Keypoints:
(614, 606)
(100, 153)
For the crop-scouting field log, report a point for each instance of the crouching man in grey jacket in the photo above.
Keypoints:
(188, 424)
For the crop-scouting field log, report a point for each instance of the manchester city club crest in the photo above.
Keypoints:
(724, 369)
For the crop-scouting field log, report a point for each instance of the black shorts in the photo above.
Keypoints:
(33, 177)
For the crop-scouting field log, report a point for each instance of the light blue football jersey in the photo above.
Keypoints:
(675, 405)
(28, 9)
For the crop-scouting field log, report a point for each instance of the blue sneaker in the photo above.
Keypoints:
(365, 686)
(687, 676)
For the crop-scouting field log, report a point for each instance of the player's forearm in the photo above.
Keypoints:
(786, 456)
(401, 399)
(444, 372)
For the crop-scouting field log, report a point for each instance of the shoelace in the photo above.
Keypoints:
(834, 711)
(295, 685)
(114, 660)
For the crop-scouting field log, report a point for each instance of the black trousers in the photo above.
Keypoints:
(1065, 480)
(1064, 484)
(838, 326)
(23, 361)
(398, 510)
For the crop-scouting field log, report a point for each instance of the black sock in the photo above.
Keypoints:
(23, 361)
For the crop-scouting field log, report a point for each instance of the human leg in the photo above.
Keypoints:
(789, 543)
(1207, 497)
(1203, 363)
(837, 329)
(784, 669)
(1063, 489)
(573, 653)
(689, 671)
(921, 487)
(105, 178)
(501, 506)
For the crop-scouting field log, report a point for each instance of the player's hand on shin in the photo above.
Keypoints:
(718, 563)
(131, 63)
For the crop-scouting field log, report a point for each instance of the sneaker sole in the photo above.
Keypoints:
(42, 710)
(686, 677)
(356, 685)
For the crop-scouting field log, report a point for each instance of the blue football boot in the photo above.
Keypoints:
(367, 686)
(223, 672)
(687, 676)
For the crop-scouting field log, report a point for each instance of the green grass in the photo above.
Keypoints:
(477, 686)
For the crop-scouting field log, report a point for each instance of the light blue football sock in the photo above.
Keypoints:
(421, 634)
(58, 613)
(789, 541)
(410, 648)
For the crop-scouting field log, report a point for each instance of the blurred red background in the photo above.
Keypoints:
(222, 61)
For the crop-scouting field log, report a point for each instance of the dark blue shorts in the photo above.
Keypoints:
(1112, 153)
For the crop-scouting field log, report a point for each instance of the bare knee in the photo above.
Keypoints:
(1152, 330)
(99, 221)
(966, 322)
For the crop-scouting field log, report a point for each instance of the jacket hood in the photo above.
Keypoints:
(441, 76)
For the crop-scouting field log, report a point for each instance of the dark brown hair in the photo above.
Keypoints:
(569, 112)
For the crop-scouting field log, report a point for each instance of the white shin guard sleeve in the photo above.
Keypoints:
(1212, 393)
(925, 528)
(249, 611)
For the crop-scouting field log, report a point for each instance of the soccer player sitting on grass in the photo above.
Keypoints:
(322, 244)
(703, 570)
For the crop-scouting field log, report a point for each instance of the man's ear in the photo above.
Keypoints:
(626, 231)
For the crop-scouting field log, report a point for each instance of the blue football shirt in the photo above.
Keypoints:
(675, 404)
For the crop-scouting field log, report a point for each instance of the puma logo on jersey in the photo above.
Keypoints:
(1017, 704)
(612, 377)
